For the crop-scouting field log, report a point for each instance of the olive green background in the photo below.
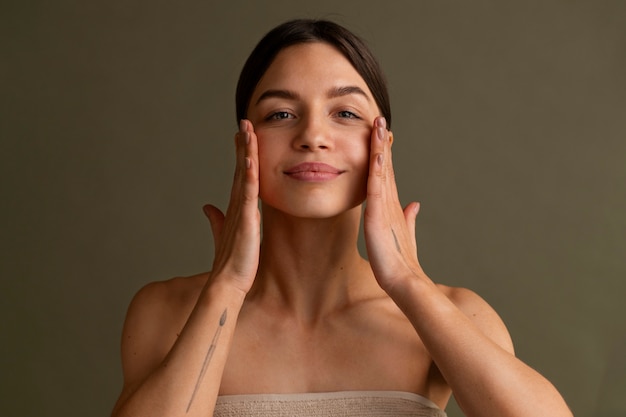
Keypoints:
(116, 124)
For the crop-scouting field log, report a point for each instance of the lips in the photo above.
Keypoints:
(313, 171)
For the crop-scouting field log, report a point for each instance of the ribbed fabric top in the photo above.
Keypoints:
(340, 404)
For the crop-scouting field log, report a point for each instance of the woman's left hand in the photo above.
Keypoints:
(389, 229)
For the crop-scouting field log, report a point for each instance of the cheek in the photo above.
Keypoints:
(265, 152)
(267, 167)
(359, 152)
(360, 161)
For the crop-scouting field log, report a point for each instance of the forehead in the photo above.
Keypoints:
(315, 64)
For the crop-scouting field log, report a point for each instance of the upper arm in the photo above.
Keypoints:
(482, 315)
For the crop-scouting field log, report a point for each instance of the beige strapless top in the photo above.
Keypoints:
(343, 404)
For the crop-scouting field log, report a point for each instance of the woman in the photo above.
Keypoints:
(303, 312)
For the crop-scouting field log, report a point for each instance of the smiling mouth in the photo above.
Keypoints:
(313, 171)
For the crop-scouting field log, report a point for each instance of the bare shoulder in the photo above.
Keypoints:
(163, 299)
(154, 319)
(480, 313)
(170, 293)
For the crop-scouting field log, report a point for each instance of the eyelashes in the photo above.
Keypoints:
(348, 114)
(283, 115)
(279, 115)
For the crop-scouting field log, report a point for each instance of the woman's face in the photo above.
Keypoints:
(313, 115)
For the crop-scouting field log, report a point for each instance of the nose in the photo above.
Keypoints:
(314, 134)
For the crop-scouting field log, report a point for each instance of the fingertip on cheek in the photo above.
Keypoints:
(380, 133)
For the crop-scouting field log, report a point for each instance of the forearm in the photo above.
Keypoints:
(187, 380)
(486, 379)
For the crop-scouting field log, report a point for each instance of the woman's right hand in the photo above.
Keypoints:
(237, 235)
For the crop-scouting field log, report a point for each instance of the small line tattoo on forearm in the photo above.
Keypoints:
(207, 358)
(395, 240)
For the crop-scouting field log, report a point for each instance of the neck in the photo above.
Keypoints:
(309, 266)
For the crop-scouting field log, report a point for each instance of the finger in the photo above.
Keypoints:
(382, 146)
(389, 173)
(245, 187)
(240, 156)
(377, 158)
(251, 165)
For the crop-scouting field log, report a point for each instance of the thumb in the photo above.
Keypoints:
(410, 214)
(216, 219)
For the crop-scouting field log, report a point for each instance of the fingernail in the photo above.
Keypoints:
(381, 131)
(379, 159)
(248, 163)
(242, 125)
(381, 122)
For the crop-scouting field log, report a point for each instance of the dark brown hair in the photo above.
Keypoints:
(300, 31)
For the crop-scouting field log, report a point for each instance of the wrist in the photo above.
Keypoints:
(221, 288)
(407, 287)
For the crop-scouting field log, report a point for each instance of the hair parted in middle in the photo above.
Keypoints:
(300, 31)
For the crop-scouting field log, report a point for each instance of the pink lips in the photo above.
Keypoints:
(313, 171)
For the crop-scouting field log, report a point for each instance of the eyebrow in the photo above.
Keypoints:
(347, 90)
(286, 94)
(332, 93)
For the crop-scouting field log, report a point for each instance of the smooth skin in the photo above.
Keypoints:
(303, 312)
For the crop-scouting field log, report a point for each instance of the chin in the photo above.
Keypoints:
(314, 210)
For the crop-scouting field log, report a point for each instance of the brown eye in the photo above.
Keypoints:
(279, 115)
(347, 115)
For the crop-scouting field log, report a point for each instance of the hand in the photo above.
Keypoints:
(237, 235)
(389, 230)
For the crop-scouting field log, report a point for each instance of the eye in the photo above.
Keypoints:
(279, 115)
(345, 114)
